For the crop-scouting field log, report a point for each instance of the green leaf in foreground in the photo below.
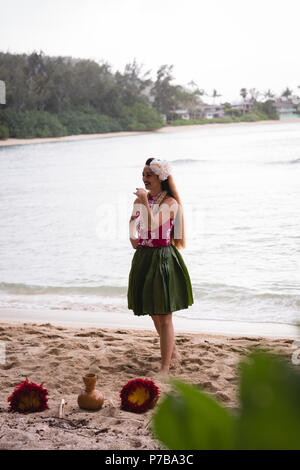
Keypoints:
(189, 419)
(270, 403)
(268, 419)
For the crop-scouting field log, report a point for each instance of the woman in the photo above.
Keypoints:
(159, 282)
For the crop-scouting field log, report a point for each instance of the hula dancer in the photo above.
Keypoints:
(159, 282)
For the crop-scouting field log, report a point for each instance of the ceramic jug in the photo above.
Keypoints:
(90, 398)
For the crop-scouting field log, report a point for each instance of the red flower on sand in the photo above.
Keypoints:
(139, 395)
(28, 397)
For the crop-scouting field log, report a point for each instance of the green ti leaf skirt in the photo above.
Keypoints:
(159, 282)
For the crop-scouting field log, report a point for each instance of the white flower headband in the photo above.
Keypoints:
(161, 168)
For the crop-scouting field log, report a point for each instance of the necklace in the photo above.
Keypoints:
(155, 197)
(157, 200)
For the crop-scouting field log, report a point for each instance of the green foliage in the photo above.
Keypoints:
(233, 112)
(267, 108)
(268, 419)
(185, 100)
(88, 122)
(190, 419)
(29, 124)
(131, 84)
(247, 117)
(140, 117)
(188, 122)
(243, 93)
(4, 132)
(252, 117)
(163, 91)
(55, 96)
(270, 404)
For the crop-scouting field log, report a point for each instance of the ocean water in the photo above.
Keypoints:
(65, 209)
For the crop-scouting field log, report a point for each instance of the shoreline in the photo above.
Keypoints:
(182, 325)
(168, 129)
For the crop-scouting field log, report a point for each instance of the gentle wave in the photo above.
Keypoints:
(234, 294)
(28, 289)
(215, 292)
(211, 301)
(184, 161)
(179, 161)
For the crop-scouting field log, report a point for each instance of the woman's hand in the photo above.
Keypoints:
(141, 193)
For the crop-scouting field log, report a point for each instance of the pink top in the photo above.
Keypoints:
(161, 236)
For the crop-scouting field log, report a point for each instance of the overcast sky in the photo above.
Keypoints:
(222, 44)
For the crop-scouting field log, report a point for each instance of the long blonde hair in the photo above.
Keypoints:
(169, 186)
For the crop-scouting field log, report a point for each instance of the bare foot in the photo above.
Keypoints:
(164, 372)
(175, 353)
(162, 376)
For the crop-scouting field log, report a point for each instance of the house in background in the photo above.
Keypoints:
(202, 111)
(287, 108)
(182, 114)
(212, 111)
(244, 106)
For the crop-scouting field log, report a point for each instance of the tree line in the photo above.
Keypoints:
(55, 96)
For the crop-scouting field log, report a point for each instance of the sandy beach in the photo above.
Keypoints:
(167, 129)
(60, 355)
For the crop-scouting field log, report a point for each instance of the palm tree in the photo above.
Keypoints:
(215, 95)
(269, 95)
(243, 93)
(193, 85)
(195, 102)
(254, 94)
(286, 93)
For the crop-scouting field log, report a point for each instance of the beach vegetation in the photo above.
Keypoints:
(258, 113)
(140, 117)
(57, 96)
(4, 132)
(29, 124)
(165, 94)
